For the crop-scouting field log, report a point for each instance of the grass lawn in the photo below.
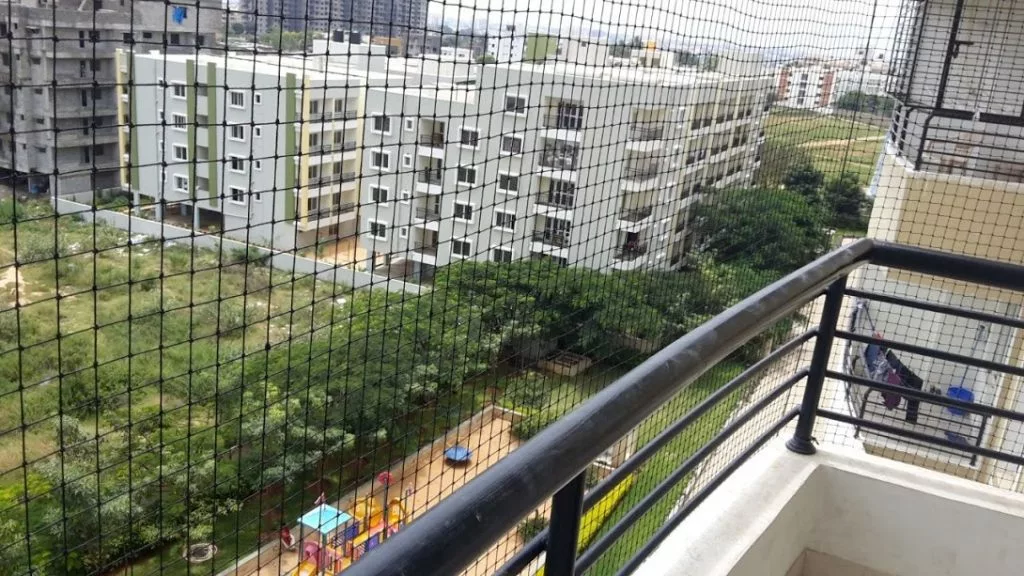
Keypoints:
(801, 128)
(662, 464)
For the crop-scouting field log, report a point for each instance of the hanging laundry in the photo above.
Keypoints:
(907, 379)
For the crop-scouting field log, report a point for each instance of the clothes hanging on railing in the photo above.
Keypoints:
(908, 379)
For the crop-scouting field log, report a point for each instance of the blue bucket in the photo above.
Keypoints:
(959, 393)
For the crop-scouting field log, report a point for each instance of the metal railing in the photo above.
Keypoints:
(552, 238)
(630, 252)
(428, 249)
(553, 463)
(557, 200)
(563, 121)
(640, 173)
(636, 214)
(641, 132)
(333, 210)
(559, 161)
(429, 176)
(424, 213)
(431, 140)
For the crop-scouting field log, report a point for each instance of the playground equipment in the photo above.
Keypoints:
(458, 455)
(342, 537)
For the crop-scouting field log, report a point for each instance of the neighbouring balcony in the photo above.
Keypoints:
(639, 173)
(558, 239)
(325, 179)
(630, 251)
(559, 160)
(430, 177)
(425, 249)
(424, 213)
(786, 476)
(563, 121)
(642, 132)
(431, 140)
(636, 214)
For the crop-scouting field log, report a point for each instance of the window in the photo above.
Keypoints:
(470, 138)
(378, 230)
(404, 196)
(380, 160)
(462, 248)
(382, 124)
(508, 183)
(467, 175)
(181, 183)
(237, 195)
(464, 211)
(515, 104)
(403, 232)
(180, 153)
(179, 121)
(512, 144)
(406, 161)
(177, 90)
(503, 255)
(410, 124)
(505, 220)
(257, 164)
(257, 98)
(237, 164)
(256, 195)
(379, 194)
(236, 98)
(237, 132)
(257, 131)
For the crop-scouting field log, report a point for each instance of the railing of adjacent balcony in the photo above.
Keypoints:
(552, 238)
(636, 214)
(641, 132)
(548, 472)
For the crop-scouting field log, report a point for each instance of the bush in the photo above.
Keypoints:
(529, 528)
(529, 426)
(10, 211)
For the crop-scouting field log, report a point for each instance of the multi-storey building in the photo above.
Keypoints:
(266, 152)
(59, 121)
(806, 87)
(392, 18)
(554, 160)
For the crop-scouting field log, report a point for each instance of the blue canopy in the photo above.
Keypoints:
(324, 518)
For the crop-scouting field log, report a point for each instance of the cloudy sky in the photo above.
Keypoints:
(829, 27)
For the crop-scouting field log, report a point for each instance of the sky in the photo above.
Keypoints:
(831, 28)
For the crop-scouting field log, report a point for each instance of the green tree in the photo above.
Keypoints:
(539, 47)
(857, 101)
(772, 230)
(777, 159)
(237, 28)
(806, 180)
(845, 202)
(486, 59)
(286, 41)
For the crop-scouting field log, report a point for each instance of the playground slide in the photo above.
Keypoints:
(306, 568)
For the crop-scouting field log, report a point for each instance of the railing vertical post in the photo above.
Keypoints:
(564, 529)
(801, 442)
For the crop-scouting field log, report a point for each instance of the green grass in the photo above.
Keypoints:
(665, 461)
(801, 128)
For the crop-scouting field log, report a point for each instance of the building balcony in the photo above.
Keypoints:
(640, 178)
(327, 216)
(423, 252)
(795, 479)
(556, 121)
(635, 219)
(430, 145)
(554, 161)
(429, 181)
(558, 240)
(630, 256)
(645, 138)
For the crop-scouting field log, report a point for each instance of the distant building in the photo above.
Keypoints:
(806, 87)
(63, 100)
(506, 45)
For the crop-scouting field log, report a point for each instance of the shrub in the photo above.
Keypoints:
(529, 528)
(10, 211)
(529, 427)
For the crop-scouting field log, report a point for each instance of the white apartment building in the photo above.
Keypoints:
(593, 166)
(266, 152)
(806, 87)
(506, 45)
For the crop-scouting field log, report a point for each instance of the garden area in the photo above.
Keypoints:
(834, 144)
(154, 395)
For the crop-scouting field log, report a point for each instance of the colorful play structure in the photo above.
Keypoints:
(332, 540)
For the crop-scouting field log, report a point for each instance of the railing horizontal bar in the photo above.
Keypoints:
(940, 308)
(924, 438)
(649, 449)
(525, 555)
(673, 521)
(932, 353)
(982, 409)
(619, 528)
(465, 524)
(949, 266)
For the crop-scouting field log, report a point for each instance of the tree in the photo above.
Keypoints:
(845, 202)
(773, 230)
(539, 47)
(858, 101)
(805, 180)
(286, 41)
(237, 28)
(777, 159)
(486, 59)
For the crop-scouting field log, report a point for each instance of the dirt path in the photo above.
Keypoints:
(828, 143)
(10, 277)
